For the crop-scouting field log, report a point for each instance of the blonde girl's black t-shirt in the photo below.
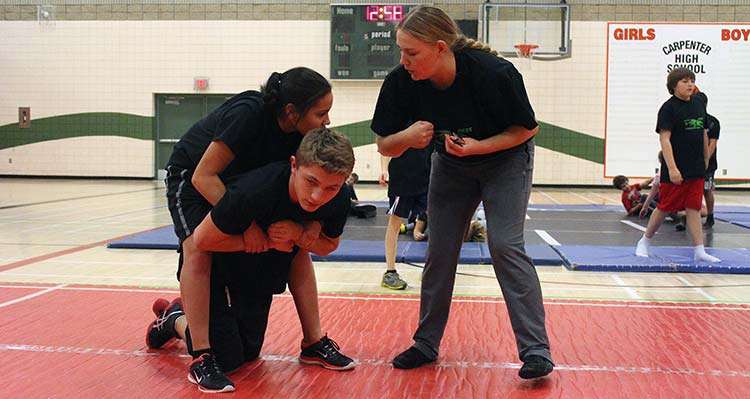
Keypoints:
(251, 133)
(687, 121)
(487, 97)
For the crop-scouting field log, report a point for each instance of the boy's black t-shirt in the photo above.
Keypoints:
(262, 195)
(686, 120)
(713, 133)
(251, 133)
(487, 97)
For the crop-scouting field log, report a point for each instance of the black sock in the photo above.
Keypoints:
(391, 271)
(197, 353)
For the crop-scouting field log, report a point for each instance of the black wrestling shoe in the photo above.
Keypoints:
(411, 358)
(535, 366)
(326, 353)
(206, 373)
(161, 330)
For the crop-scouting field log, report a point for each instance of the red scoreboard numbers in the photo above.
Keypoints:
(384, 13)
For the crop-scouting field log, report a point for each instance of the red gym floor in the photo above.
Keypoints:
(88, 342)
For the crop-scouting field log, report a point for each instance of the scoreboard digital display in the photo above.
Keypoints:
(384, 13)
(363, 40)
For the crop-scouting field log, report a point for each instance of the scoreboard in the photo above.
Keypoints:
(363, 39)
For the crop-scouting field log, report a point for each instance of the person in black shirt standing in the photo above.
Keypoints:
(407, 177)
(249, 130)
(714, 129)
(474, 105)
(279, 198)
(681, 125)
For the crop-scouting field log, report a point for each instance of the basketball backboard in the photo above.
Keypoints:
(505, 26)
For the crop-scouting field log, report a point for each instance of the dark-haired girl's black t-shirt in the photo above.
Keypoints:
(486, 98)
(251, 133)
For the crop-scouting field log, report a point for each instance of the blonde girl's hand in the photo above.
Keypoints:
(461, 146)
(421, 133)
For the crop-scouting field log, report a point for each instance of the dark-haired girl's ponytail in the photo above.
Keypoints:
(272, 91)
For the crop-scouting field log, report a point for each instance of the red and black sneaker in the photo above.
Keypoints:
(326, 353)
(161, 330)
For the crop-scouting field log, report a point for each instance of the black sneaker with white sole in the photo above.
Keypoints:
(535, 366)
(206, 373)
(161, 330)
(326, 353)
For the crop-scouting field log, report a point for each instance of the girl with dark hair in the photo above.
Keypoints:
(457, 93)
(249, 130)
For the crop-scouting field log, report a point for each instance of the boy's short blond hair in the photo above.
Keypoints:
(329, 149)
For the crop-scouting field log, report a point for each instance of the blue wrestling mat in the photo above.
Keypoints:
(472, 253)
(663, 259)
(161, 238)
(356, 250)
(736, 218)
(732, 209)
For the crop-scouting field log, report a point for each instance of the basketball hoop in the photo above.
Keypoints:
(525, 50)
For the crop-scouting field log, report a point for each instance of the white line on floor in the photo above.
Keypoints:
(698, 290)
(582, 197)
(36, 294)
(549, 197)
(547, 238)
(410, 298)
(629, 290)
(387, 362)
(608, 199)
(634, 225)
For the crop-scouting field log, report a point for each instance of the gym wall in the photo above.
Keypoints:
(89, 72)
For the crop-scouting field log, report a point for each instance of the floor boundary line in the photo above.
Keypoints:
(68, 251)
(387, 363)
(415, 298)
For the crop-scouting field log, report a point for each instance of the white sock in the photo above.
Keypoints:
(702, 256)
(642, 248)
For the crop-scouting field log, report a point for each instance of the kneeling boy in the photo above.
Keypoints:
(288, 200)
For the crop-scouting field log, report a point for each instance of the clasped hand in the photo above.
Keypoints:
(420, 133)
(285, 234)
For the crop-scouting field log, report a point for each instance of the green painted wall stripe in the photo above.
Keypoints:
(141, 127)
(78, 125)
(570, 142)
(551, 137)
